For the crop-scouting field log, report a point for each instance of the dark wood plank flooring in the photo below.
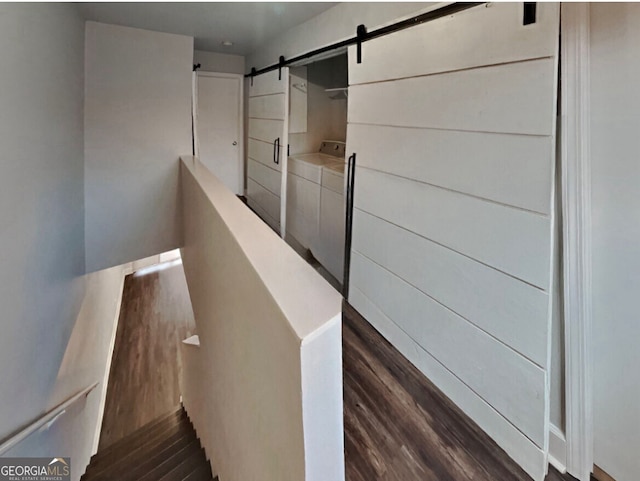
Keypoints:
(155, 317)
(400, 427)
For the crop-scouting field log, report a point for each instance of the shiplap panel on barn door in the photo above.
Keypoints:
(453, 123)
(264, 202)
(499, 167)
(268, 121)
(268, 106)
(503, 306)
(262, 152)
(263, 175)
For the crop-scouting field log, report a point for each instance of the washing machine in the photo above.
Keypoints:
(304, 184)
(328, 245)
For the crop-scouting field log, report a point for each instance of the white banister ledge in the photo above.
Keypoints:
(268, 373)
(288, 277)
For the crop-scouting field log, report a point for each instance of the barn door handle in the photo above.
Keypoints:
(348, 228)
(276, 151)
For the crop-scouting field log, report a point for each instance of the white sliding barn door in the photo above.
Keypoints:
(453, 123)
(267, 148)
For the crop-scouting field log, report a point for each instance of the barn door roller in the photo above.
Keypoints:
(529, 13)
(281, 63)
(362, 36)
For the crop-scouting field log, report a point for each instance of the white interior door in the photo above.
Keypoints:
(453, 124)
(267, 147)
(219, 124)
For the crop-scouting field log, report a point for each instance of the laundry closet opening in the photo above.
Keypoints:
(315, 201)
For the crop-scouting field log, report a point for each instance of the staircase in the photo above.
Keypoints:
(166, 449)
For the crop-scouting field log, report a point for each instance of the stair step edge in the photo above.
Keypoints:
(172, 464)
(170, 418)
(152, 446)
(133, 464)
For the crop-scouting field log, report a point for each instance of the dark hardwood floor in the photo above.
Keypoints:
(155, 317)
(400, 427)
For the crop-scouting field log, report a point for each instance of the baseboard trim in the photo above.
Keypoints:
(557, 449)
(601, 475)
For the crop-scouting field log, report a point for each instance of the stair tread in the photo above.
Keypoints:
(174, 413)
(171, 463)
(174, 417)
(201, 473)
(158, 458)
(140, 452)
(185, 467)
(165, 449)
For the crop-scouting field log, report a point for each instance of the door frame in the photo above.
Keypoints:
(575, 161)
(240, 150)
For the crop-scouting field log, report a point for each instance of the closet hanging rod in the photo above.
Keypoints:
(363, 35)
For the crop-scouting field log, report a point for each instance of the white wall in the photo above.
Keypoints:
(615, 103)
(41, 201)
(337, 23)
(264, 390)
(219, 62)
(86, 360)
(137, 123)
(57, 323)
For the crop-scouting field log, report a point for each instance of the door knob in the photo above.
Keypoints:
(235, 143)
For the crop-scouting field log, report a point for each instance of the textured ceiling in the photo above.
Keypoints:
(246, 24)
